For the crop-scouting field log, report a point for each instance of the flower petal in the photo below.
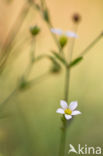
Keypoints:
(73, 105)
(56, 31)
(68, 117)
(71, 34)
(63, 104)
(60, 111)
(76, 112)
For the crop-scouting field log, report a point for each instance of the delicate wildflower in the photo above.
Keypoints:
(64, 33)
(68, 111)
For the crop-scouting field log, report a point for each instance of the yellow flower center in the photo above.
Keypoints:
(68, 111)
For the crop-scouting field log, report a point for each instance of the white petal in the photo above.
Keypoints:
(76, 112)
(63, 104)
(71, 34)
(68, 117)
(73, 105)
(60, 111)
(57, 31)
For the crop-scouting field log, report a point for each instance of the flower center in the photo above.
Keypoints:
(68, 111)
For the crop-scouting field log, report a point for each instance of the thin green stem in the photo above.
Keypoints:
(12, 36)
(55, 38)
(33, 82)
(67, 78)
(2, 105)
(62, 141)
(63, 135)
(73, 43)
(66, 91)
(49, 24)
(96, 40)
(39, 78)
(32, 59)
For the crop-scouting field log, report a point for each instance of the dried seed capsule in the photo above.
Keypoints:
(76, 18)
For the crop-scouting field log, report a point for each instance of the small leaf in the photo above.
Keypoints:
(46, 15)
(53, 60)
(76, 61)
(60, 58)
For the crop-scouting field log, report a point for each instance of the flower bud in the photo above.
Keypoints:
(63, 41)
(76, 18)
(34, 30)
(55, 68)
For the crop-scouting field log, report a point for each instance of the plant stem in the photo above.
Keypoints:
(67, 86)
(6, 100)
(62, 143)
(63, 135)
(32, 59)
(91, 44)
(33, 82)
(67, 78)
(55, 38)
(39, 78)
(49, 24)
(12, 36)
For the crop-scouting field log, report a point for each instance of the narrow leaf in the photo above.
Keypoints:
(60, 58)
(53, 59)
(76, 61)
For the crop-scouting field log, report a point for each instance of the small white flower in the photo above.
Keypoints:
(64, 33)
(68, 111)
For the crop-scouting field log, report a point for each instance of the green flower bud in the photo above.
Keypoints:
(34, 30)
(55, 68)
(63, 41)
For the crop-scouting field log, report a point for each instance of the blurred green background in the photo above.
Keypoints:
(29, 124)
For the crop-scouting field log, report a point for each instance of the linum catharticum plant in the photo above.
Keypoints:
(57, 57)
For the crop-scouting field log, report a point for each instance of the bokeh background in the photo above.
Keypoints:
(29, 124)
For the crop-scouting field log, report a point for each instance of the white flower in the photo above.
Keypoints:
(68, 111)
(64, 33)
